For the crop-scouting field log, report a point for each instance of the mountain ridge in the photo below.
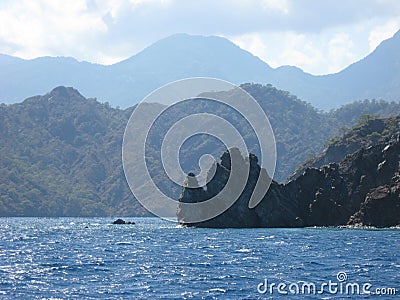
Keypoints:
(181, 55)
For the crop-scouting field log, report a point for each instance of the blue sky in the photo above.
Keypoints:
(318, 36)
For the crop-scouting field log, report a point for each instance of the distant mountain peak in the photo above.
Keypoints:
(191, 37)
(62, 92)
(182, 46)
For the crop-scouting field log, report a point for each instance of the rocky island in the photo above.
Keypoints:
(360, 188)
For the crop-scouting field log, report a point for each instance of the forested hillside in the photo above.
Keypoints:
(60, 154)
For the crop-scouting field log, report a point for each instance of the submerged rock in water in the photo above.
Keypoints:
(120, 221)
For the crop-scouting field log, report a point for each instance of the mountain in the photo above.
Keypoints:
(60, 156)
(180, 56)
(7, 60)
(23, 78)
(377, 76)
(60, 153)
(125, 83)
(301, 131)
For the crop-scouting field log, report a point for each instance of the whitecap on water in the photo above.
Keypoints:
(265, 237)
(251, 258)
(219, 290)
(189, 294)
(243, 250)
(280, 243)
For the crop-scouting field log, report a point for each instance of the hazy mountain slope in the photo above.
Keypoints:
(22, 78)
(181, 55)
(375, 76)
(7, 60)
(124, 84)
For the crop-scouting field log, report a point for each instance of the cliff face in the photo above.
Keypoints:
(238, 215)
(362, 189)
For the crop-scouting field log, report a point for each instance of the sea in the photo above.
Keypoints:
(90, 258)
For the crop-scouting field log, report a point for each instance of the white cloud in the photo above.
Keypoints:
(318, 36)
(281, 6)
(46, 27)
(383, 32)
(340, 52)
(253, 43)
(317, 54)
(300, 50)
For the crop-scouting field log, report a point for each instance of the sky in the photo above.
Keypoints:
(319, 37)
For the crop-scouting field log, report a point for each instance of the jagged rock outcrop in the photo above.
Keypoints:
(238, 215)
(363, 190)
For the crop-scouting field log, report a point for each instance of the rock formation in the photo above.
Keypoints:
(363, 189)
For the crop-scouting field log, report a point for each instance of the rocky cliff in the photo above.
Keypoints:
(363, 189)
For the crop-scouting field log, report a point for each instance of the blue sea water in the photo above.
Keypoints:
(74, 258)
